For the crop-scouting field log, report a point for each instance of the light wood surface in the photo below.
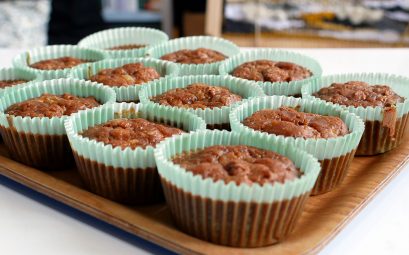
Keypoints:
(323, 218)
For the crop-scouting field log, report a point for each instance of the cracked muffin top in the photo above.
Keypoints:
(197, 56)
(126, 75)
(131, 133)
(197, 95)
(357, 93)
(48, 105)
(290, 122)
(239, 164)
(58, 63)
(271, 71)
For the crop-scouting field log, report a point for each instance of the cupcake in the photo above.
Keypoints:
(56, 61)
(328, 132)
(126, 75)
(124, 42)
(31, 119)
(113, 148)
(232, 190)
(15, 78)
(278, 72)
(196, 54)
(209, 96)
(379, 99)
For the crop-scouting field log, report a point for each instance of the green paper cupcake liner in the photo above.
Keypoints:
(231, 214)
(109, 38)
(193, 42)
(42, 142)
(376, 138)
(292, 88)
(24, 59)
(12, 73)
(215, 116)
(129, 175)
(335, 154)
(115, 156)
(125, 93)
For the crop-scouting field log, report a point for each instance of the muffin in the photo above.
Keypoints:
(328, 132)
(379, 99)
(271, 71)
(113, 148)
(209, 96)
(52, 62)
(127, 75)
(278, 72)
(31, 119)
(15, 78)
(195, 55)
(127, 47)
(222, 189)
(124, 42)
(58, 63)
(197, 96)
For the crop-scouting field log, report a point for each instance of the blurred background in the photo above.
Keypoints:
(266, 23)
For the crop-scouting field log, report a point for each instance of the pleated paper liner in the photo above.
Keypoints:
(12, 73)
(230, 214)
(106, 39)
(378, 137)
(25, 59)
(129, 175)
(125, 93)
(292, 88)
(334, 154)
(42, 142)
(217, 117)
(223, 46)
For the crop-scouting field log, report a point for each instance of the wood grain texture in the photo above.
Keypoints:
(323, 217)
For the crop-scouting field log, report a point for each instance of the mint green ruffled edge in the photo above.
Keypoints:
(23, 60)
(54, 125)
(219, 115)
(319, 148)
(399, 84)
(275, 88)
(208, 188)
(116, 157)
(224, 46)
(13, 73)
(124, 35)
(125, 93)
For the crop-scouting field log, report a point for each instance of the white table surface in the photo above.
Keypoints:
(33, 224)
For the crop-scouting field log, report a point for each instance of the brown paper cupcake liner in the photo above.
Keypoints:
(377, 139)
(47, 152)
(124, 185)
(230, 223)
(333, 172)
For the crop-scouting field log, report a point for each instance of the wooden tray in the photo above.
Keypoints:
(323, 218)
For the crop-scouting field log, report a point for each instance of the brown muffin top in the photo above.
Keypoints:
(267, 70)
(126, 75)
(239, 164)
(197, 95)
(10, 83)
(58, 63)
(290, 122)
(131, 133)
(197, 56)
(357, 93)
(48, 105)
(127, 47)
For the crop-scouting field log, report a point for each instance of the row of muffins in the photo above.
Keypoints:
(256, 181)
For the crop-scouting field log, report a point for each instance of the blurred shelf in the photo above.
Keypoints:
(140, 16)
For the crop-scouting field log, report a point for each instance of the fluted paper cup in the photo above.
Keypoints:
(229, 214)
